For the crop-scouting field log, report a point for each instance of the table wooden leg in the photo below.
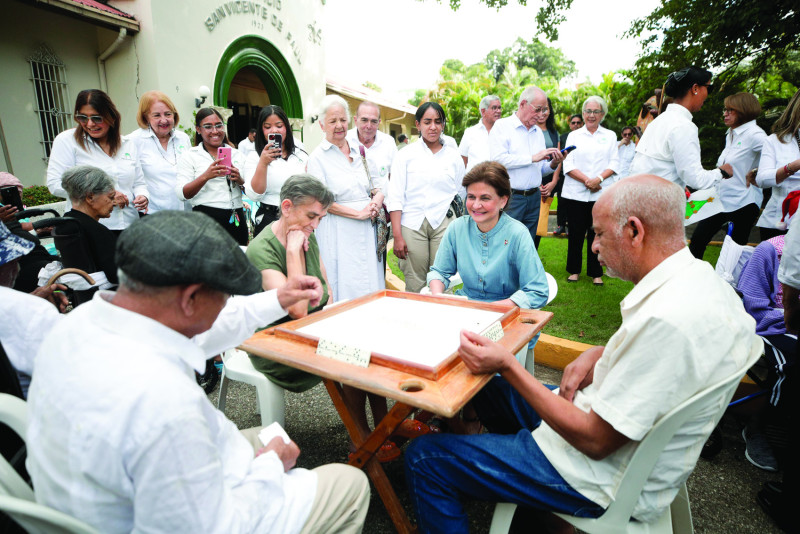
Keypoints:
(367, 446)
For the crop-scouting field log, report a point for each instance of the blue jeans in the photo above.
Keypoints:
(526, 211)
(508, 467)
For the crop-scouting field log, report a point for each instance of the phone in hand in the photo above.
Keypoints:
(565, 151)
(275, 140)
(224, 155)
(10, 196)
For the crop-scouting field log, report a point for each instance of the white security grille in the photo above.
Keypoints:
(49, 78)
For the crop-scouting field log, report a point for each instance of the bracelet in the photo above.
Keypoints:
(787, 170)
(600, 176)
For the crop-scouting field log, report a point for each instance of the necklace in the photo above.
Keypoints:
(161, 151)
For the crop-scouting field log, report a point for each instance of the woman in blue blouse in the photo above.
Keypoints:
(493, 253)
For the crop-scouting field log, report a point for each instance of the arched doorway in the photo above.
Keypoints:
(253, 73)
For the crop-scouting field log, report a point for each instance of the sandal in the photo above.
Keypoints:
(412, 428)
(388, 452)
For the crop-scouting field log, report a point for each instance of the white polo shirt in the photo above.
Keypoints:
(160, 167)
(217, 192)
(380, 155)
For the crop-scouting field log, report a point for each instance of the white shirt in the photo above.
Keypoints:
(379, 156)
(120, 435)
(26, 319)
(160, 167)
(423, 184)
(246, 146)
(513, 145)
(664, 352)
(217, 192)
(278, 172)
(626, 153)
(347, 180)
(789, 268)
(775, 155)
(475, 144)
(593, 154)
(743, 151)
(124, 168)
(670, 148)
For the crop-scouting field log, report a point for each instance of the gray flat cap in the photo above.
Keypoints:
(172, 248)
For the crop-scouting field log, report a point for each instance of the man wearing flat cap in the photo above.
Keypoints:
(120, 435)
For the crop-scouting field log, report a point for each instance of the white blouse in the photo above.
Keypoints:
(775, 154)
(123, 167)
(160, 167)
(278, 172)
(743, 151)
(594, 153)
(347, 180)
(217, 192)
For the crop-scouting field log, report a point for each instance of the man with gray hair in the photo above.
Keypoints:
(475, 142)
(567, 452)
(120, 435)
(518, 144)
(378, 148)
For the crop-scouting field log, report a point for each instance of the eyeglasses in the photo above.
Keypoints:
(540, 109)
(725, 111)
(593, 111)
(83, 119)
(627, 134)
(209, 127)
(576, 123)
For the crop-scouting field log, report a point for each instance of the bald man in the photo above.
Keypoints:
(566, 452)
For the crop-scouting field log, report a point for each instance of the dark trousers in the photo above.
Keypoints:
(525, 209)
(579, 215)
(743, 220)
(223, 217)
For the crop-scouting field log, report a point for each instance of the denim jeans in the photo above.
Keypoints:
(526, 211)
(443, 469)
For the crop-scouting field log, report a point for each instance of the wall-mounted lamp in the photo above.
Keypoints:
(314, 119)
(204, 93)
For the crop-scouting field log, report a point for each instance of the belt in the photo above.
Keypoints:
(525, 192)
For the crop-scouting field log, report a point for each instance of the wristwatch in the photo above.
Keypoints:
(725, 174)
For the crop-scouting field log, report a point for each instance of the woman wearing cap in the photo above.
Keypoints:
(588, 169)
(267, 168)
(212, 187)
(97, 142)
(159, 145)
(779, 167)
(670, 147)
(740, 201)
(426, 176)
(347, 238)
(91, 192)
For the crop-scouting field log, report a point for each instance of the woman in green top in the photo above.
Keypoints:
(288, 248)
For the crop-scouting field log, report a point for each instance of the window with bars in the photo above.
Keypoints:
(52, 105)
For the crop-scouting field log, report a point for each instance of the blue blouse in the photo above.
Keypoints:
(497, 265)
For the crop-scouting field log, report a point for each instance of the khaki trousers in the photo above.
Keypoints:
(342, 498)
(422, 246)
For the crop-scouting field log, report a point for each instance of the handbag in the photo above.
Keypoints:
(380, 223)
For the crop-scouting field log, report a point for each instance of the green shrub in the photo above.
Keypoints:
(36, 195)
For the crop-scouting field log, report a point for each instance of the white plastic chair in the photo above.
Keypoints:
(271, 397)
(732, 259)
(39, 519)
(616, 519)
(14, 413)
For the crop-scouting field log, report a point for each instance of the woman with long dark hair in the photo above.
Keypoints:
(267, 168)
(426, 176)
(97, 142)
(670, 147)
(212, 187)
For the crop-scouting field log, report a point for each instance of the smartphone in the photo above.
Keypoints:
(224, 155)
(567, 150)
(275, 139)
(10, 196)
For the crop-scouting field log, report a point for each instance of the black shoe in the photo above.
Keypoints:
(713, 444)
(559, 230)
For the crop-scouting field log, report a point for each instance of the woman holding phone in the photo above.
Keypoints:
(208, 175)
(97, 141)
(275, 159)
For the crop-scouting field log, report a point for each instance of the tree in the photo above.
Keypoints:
(545, 60)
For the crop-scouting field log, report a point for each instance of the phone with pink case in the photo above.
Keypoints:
(224, 155)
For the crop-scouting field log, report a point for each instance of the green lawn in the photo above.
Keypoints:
(581, 311)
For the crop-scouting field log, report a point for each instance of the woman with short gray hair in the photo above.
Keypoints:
(91, 192)
(588, 169)
(347, 239)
